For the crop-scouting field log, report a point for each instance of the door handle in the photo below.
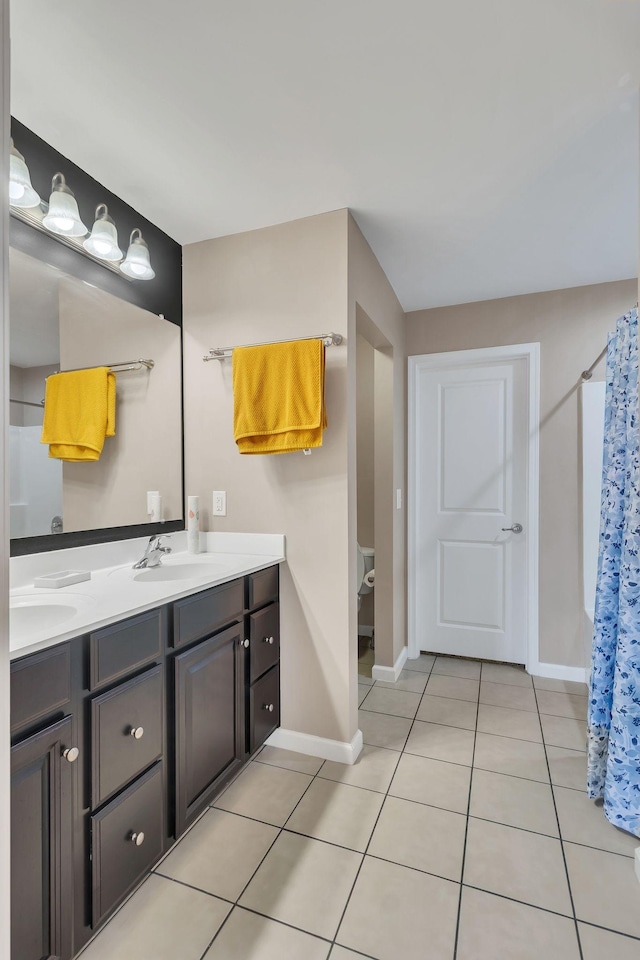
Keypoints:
(514, 528)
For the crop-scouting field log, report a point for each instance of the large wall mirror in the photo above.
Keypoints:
(64, 315)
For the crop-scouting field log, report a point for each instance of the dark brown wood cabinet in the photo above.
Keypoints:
(127, 730)
(41, 848)
(209, 721)
(128, 838)
(264, 708)
(161, 710)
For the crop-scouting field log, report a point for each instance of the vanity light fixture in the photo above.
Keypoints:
(63, 216)
(21, 193)
(103, 242)
(137, 264)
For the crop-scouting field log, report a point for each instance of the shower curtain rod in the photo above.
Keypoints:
(27, 403)
(588, 373)
(223, 353)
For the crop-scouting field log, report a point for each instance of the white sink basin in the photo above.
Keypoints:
(31, 616)
(35, 613)
(180, 571)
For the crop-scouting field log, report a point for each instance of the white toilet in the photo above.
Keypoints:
(366, 565)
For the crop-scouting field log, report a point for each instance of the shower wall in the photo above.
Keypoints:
(36, 483)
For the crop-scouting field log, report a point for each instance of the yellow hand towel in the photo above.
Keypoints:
(278, 396)
(79, 412)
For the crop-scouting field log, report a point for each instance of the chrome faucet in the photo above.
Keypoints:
(153, 553)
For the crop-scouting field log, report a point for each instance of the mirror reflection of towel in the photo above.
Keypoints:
(278, 396)
(79, 413)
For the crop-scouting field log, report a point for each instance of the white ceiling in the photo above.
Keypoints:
(486, 148)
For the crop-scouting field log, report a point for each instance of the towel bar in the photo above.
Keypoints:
(223, 353)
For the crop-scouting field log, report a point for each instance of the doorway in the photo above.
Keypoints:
(473, 503)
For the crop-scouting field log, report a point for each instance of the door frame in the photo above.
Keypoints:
(530, 353)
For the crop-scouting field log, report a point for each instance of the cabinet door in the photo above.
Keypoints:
(209, 686)
(127, 837)
(127, 732)
(264, 640)
(264, 708)
(41, 851)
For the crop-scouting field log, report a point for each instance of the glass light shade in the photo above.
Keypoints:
(63, 216)
(21, 193)
(103, 242)
(137, 264)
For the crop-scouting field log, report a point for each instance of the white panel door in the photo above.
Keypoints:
(468, 577)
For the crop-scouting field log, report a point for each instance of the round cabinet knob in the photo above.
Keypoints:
(267, 640)
(71, 754)
(137, 838)
(268, 706)
(136, 732)
(244, 643)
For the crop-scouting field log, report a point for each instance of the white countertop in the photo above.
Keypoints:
(44, 617)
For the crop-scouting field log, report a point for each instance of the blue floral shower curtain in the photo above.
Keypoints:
(614, 697)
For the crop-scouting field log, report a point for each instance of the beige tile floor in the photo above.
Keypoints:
(462, 833)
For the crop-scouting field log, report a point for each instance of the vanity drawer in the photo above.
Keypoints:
(264, 708)
(197, 617)
(40, 685)
(264, 640)
(127, 839)
(117, 754)
(262, 587)
(121, 648)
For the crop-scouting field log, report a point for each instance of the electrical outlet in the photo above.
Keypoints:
(219, 503)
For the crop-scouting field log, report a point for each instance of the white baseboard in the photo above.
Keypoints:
(313, 746)
(390, 674)
(558, 671)
(364, 630)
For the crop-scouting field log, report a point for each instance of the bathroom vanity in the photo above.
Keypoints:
(122, 734)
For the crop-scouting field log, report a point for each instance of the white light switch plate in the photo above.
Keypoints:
(398, 499)
(219, 503)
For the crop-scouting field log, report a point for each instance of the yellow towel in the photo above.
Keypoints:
(79, 412)
(278, 396)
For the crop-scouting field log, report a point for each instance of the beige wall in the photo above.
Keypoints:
(376, 314)
(97, 328)
(281, 282)
(571, 326)
(365, 428)
(303, 278)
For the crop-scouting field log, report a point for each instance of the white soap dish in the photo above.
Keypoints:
(62, 578)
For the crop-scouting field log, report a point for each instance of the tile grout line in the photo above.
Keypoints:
(333, 943)
(364, 853)
(438, 876)
(466, 828)
(564, 858)
(342, 916)
(268, 851)
(386, 794)
(284, 923)
(419, 803)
